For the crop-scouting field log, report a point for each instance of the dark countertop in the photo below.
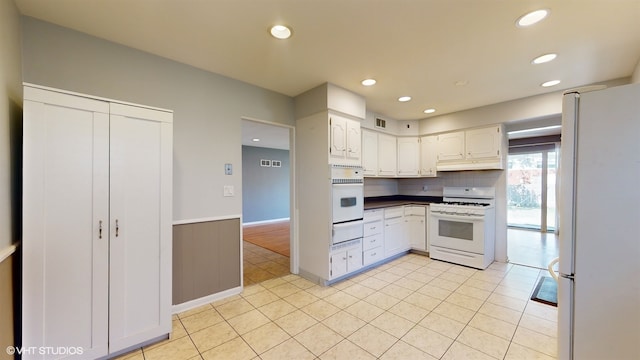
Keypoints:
(379, 202)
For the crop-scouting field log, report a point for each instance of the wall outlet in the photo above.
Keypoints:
(425, 187)
(228, 190)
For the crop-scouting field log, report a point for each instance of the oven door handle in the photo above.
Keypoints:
(449, 216)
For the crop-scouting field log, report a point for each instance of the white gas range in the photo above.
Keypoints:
(462, 228)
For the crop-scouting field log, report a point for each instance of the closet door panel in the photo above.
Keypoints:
(65, 274)
(138, 304)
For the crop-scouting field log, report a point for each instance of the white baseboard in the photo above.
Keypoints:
(266, 221)
(192, 304)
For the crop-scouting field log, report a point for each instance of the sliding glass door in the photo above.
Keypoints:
(531, 187)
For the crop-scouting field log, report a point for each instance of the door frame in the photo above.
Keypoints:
(294, 244)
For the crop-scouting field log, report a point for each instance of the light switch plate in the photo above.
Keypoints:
(228, 190)
(228, 169)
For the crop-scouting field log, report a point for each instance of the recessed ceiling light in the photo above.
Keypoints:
(544, 58)
(532, 18)
(550, 83)
(280, 32)
(404, 98)
(255, 139)
(430, 111)
(368, 82)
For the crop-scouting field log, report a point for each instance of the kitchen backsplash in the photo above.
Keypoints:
(415, 186)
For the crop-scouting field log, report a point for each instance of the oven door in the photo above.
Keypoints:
(458, 232)
(348, 202)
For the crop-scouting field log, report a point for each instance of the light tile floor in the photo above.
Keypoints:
(410, 308)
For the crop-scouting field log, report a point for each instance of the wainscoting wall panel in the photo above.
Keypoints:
(6, 305)
(206, 258)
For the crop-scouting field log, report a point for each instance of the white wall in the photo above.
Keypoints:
(207, 107)
(10, 121)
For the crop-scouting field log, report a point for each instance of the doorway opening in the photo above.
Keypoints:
(267, 201)
(531, 200)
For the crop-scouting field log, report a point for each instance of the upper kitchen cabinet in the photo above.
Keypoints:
(387, 155)
(475, 149)
(345, 141)
(408, 156)
(369, 153)
(428, 155)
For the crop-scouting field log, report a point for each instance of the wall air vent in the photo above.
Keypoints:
(381, 123)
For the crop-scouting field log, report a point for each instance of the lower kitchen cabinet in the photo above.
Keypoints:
(346, 259)
(395, 234)
(415, 218)
(97, 180)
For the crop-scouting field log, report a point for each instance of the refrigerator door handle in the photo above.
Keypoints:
(568, 276)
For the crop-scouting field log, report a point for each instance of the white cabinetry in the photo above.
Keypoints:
(97, 223)
(408, 156)
(451, 146)
(415, 218)
(483, 143)
(387, 155)
(474, 149)
(345, 141)
(395, 236)
(369, 153)
(373, 240)
(428, 155)
(346, 259)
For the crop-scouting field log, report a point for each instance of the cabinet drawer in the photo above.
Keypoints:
(371, 242)
(372, 255)
(393, 212)
(414, 210)
(372, 228)
(373, 215)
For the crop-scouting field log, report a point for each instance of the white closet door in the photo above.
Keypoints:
(65, 179)
(140, 271)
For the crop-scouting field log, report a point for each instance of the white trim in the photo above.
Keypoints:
(192, 304)
(8, 251)
(266, 221)
(213, 218)
(93, 97)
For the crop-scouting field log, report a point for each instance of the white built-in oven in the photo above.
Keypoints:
(347, 203)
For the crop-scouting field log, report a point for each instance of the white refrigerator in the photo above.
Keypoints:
(599, 283)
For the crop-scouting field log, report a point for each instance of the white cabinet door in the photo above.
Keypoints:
(65, 223)
(415, 217)
(395, 238)
(338, 264)
(408, 156)
(387, 155)
(338, 139)
(428, 156)
(140, 240)
(369, 153)
(483, 143)
(354, 141)
(451, 146)
(354, 259)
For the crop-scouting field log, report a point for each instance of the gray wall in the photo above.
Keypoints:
(207, 107)
(265, 190)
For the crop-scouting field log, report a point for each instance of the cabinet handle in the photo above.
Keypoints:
(117, 228)
(100, 230)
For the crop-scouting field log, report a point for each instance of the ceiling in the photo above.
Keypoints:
(448, 55)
